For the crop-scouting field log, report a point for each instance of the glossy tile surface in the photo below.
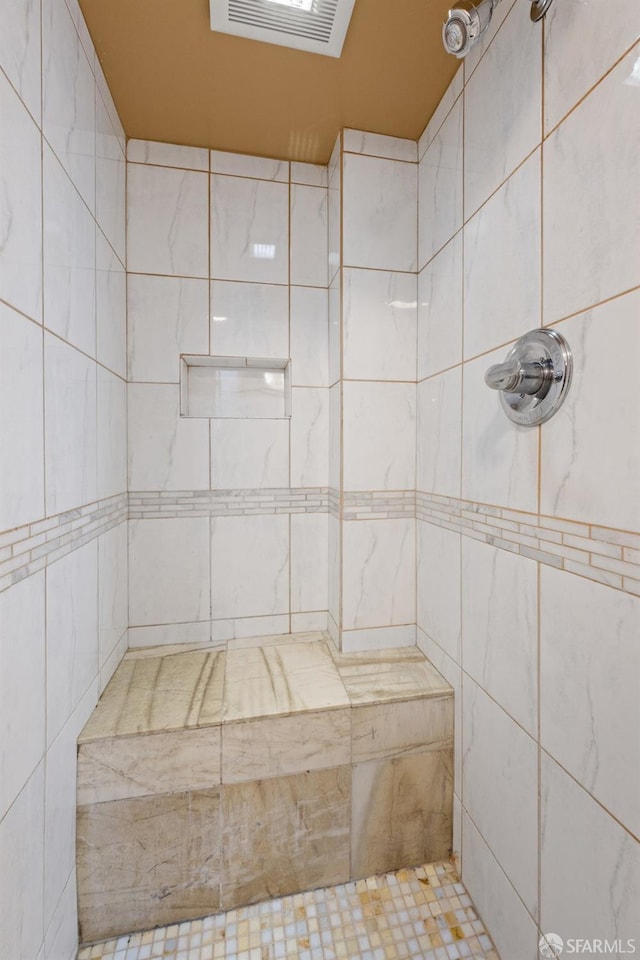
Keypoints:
(423, 913)
(171, 692)
(386, 675)
(145, 873)
(286, 678)
(285, 834)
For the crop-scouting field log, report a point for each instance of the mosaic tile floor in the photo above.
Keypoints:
(421, 913)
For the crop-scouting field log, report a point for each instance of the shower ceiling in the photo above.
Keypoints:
(175, 80)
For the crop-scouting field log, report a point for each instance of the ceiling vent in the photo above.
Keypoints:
(317, 26)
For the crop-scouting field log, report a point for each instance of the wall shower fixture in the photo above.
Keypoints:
(535, 377)
(465, 24)
(468, 20)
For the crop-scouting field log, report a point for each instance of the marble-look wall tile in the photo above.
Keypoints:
(513, 930)
(439, 426)
(61, 936)
(148, 878)
(249, 320)
(20, 50)
(379, 325)
(167, 221)
(589, 708)
(249, 454)
(167, 634)
(576, 480)
(24, 864)
(309, 437)
(377, 145)
(70, 416)
(111, 433)
(311, 174)
(249, 566)
(503, 101)
(500, 794)
(401, 812)
(502, 256)
(22, 685)
(168, 571)
(571, 69)
(316, 620)
(309, 334)
(120, 768)
(60, 805)
(167, 155)
(499, 458)
(442, 111)
(479, 49)
(377, 638)
(438, 585)
(309, 236)
(69, 260)
(452, 673)
(111, 308)
(20, 183)
(334, 225)
(68, 104)
(440, 311)
(241, 628)
(249, 230)
(335, 436)
(440, 187)
(403, 728)
(500, 627)
(111, 175)
(167, 316)
(113, 612)
(285, 835)
(379, 436)
(309, 561)
(592, 250)
(607, 907)
(334, 553)
(21, 387)
(166, 451)
(243, 165)
(279, 746)
(72, 641)
(380, 213)
(379, 573)
(335, 330)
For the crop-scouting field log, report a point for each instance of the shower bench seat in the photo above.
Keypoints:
(215, 777)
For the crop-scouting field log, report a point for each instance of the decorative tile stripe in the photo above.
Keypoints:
(379, 504)
(600, 553)
(334, 502)
(26, 550)
(145, 505)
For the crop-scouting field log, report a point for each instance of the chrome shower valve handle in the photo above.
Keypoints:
(534, 379)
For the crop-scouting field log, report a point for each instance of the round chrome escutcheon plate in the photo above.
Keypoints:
(543, 346)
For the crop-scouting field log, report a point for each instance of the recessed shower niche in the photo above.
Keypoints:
(235, 387)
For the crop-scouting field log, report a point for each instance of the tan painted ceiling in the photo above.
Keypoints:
(176, 81)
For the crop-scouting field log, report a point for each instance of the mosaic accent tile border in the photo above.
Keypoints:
(380, 505)
(599, 553)
(423, 913)
(149, 504)
(26, 550)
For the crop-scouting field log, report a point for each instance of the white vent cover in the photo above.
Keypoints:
(318, 26)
